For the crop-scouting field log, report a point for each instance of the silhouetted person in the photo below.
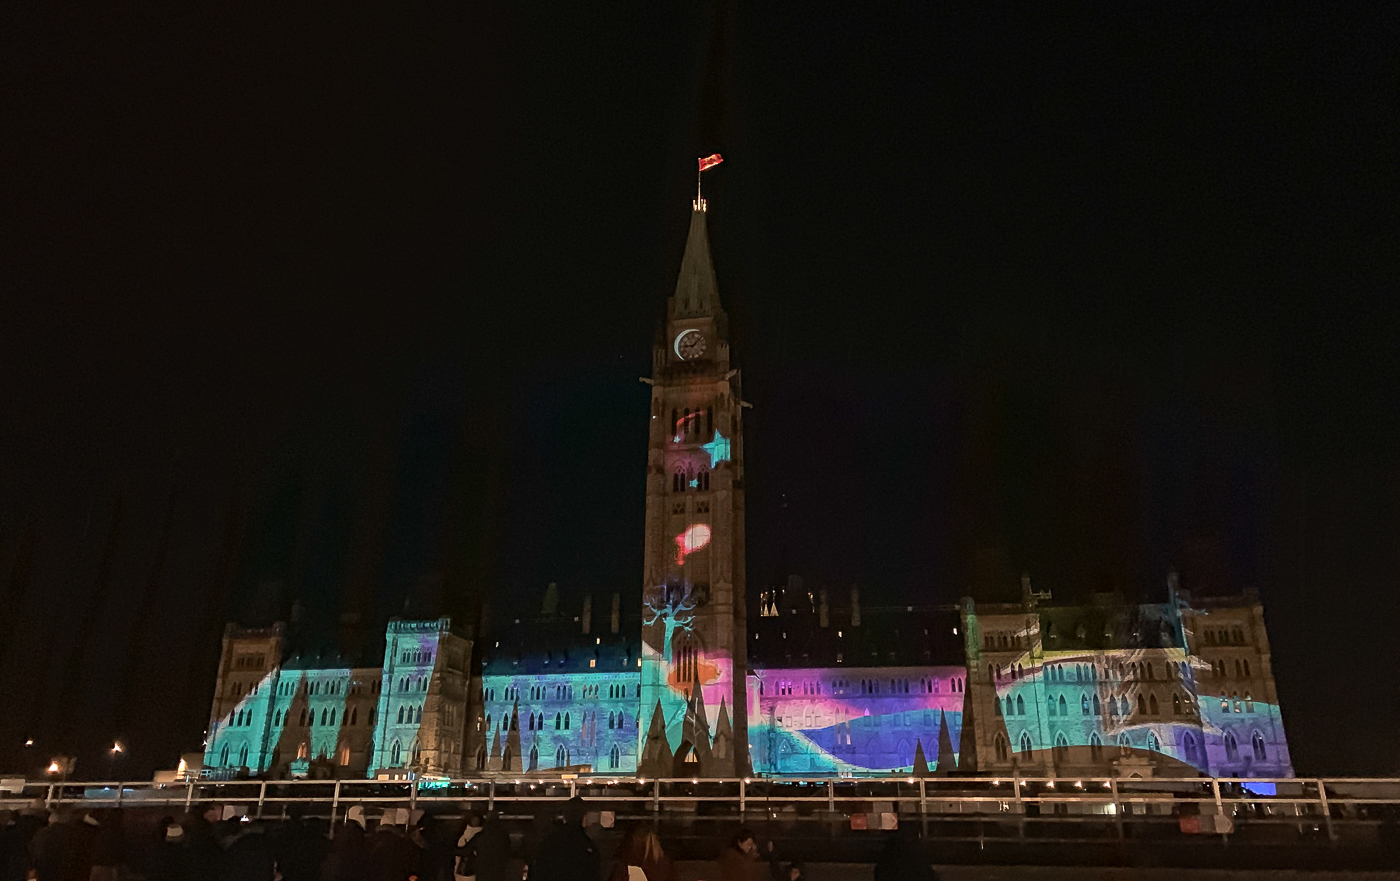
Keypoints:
(348, 858)
(300, 849)
(248, 855)
(464, 856)
(14, 847)
(109, 846)
(903, 859)
(62, 850)
(171, 857)
(567, 853)
(392, 856)
(439, 841)
(490, 851)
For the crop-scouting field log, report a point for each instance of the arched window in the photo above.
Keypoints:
(612, 721)
(507, 757)
(223, 756)
(1020, 706)
(1142, 705)
(1098, 706)
(325, 715)
(344, 755)
(418, 716)
(1123, 708)
(678, 482)
(1232, 747)
(566, 721)
(558, 721)
(1084, 705)
(1152, 704)
(1050, 706)
(999, 744)
(1125, 743)
(1064, 707)
(996, 702)
(1188, 747)
(395, 755)
(1152, 743)
(614, 757)
(1176, 704)
(488, 721)
(621, 718)
(354, 715)
(1025, 742)
(1257, 741)
(1095, 746)
(481, 758)
(534, 757)
(560, 760)
(1061, 746)
(401, 709)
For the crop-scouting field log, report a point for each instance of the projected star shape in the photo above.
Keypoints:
(717, 448)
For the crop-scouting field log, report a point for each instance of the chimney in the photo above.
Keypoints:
(855, 606)
(616, 620)
(823, 611)
(587, 613)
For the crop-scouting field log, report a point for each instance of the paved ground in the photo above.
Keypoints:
(699, 871)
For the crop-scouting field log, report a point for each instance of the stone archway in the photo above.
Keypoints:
(686, 762)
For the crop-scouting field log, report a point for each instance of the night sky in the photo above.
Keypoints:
(343, 307)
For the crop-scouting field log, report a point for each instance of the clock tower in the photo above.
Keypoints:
(693, 719)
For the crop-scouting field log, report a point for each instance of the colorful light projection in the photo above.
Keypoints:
(853, 721)
(718, 448)
(1086, 708)
(695, 537)
(682, 683)
(561, 720)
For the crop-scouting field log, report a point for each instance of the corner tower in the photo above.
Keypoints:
(692, 714)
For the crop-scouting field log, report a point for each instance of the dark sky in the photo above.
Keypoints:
(348, 304)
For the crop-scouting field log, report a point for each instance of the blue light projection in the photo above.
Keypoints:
(719, 449)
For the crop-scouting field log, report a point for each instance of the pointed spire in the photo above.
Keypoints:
(920, 761)
(947, 760)
(697, 293)
(656, 752)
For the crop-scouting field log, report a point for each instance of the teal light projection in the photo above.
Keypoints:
(718, 449)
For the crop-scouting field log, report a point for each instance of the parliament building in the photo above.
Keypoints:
(693, 677)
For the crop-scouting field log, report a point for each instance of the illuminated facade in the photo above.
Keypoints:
(685, 684)
(693, 601)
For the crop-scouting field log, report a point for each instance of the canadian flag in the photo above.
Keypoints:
(711, 161)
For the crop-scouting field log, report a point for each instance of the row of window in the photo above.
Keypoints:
(1219, 668)
(249, 662)
(615, 691)
(684, 479)
(692, 425)
(1224, 636)
(1190, 746)
(786, 688)
(1091, 705)
(329, 715)
(413, 683)
(416, 657)
(410, 715)
(313, 687)
(562, 758)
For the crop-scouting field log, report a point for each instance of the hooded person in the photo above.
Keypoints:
(464, 857)
(740, 860)
(567, 853)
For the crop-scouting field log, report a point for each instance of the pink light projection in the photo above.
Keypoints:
(695, 537)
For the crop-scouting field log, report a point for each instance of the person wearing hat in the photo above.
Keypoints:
(568, 854)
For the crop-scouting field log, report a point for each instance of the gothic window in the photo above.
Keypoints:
(1141, 705)
(709, 422)
(1020, 706)
(1258, 743)
(1152, 743)
(1098, 707)
(481, 758)
(1232, 747)
(418, 717)
(1095, 746)
(1125, 743)
(1188, 747)
(1025, 742)
(506, 758)
(560, 758)
(1084, 705)
(223, 756)
(1064, 707)
(1049, 706)
(1061, 747)
(702, 479)
(612, 721)
(1248, 702)
(401, 709)
(1152, 704)
(678, 482)
(566, 721)
(1246, 668)
(996, 702)
(395, 755)
(615, 757)
(999, 743)
(534, 757)
(344, 755)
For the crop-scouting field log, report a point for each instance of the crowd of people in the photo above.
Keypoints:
(222, 844)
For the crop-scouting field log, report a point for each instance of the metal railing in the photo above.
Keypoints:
(1111, 803)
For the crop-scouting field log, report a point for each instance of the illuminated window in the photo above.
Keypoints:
(1125, 743)
(1152, 743)
(395, 755)
(1020, 706)
(1248, 702)
(223, 756)
(1084, 705)
(1025, 742)
(344, 755)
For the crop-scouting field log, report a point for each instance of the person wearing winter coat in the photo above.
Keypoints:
(741, 861)
(488, 851)
(567, 853)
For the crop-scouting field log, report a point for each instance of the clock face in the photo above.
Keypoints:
(690, 344)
